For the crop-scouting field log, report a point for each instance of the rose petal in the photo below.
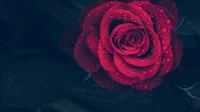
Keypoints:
(132, 71)
(148, 84)
(118, 33)
(145, 47)
(103, 80)
(125, 1)
(85, 12)
(169, 5)
(150, 59)
(93, 19)
(105, 58)
(177, 49)
(84, 58)
(117, 14)
(142, 0)
(122, 79)
(163, 27)
(167, 62)
(145, 18)
(172, 19)
(92, 42)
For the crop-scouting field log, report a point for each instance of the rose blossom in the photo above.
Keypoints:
(130, 43)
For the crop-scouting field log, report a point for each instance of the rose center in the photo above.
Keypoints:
(127, 38)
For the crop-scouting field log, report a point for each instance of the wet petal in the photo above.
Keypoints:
(144, 16)
(93, 19)
(106, 59)
(84, 57)
(167, 62)
(177, 49)
(148, 84)
(85, 12)
(109, 17)
(92, 42)
(119, 33)
(103, 80)
(169, 5)
(172, 19)
(122, 79)
(162, 27)
(128, 70)
(150, 59)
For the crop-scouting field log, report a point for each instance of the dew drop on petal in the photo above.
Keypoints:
(164, 48)
(168, 21)
(144, 72)
(157, 62)
(164, 30)
(167, 60)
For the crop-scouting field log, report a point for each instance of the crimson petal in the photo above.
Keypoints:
(117, 14)
(84, 58)
(162, 24)
(144, 16)
(119, 33)
(177, 49)
(148, 84)
(172, 19)
(85, 12)
(105, 58)
(122, 79)
(169, 5)
(150, 59)
(103, 80)
(93, 19)
(132, 71)
(167, 62)
(92, 42)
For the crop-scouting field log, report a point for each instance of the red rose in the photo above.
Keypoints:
(129, 43)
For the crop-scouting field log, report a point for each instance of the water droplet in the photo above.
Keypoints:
(164, 30)
(144, 72)
(161, 10)
(164, 47)
(117, 73)
(168, 21)
(150, 70)
(167, 60)
(157, 62)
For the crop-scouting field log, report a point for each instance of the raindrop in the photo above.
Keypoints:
(164, 30)
(157, 62)
(117, 74)
(164, 47)
(167, 60)
(144, 72)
